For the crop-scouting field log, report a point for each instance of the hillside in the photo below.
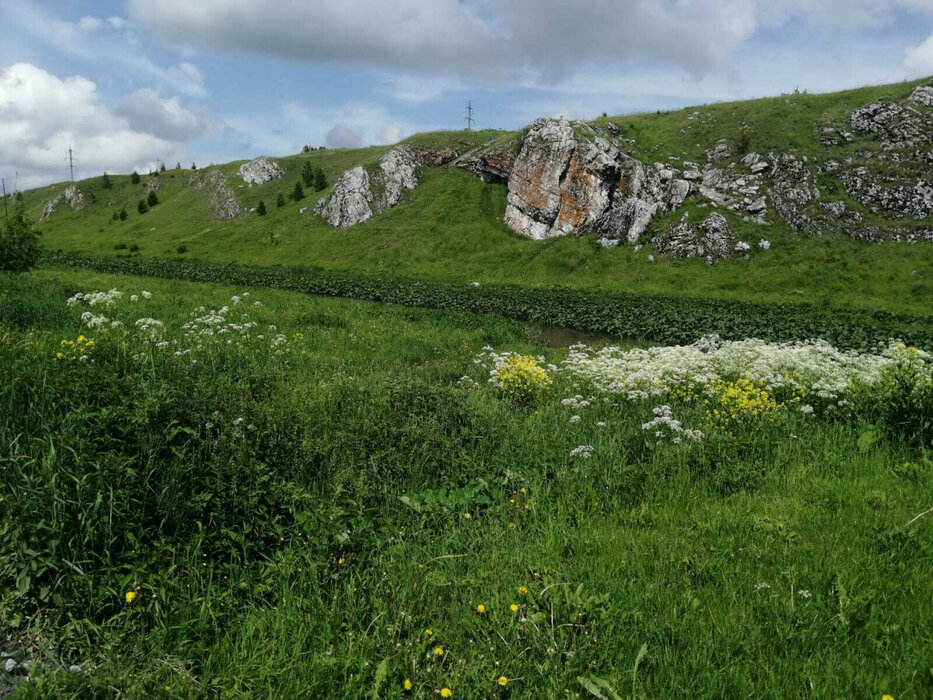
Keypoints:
(451, 226)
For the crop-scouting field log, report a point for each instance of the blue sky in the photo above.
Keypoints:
(132, 81)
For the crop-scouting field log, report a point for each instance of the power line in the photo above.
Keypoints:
(469, 115)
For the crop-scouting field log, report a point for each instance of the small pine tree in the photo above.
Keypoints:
(280, 200)
(178, 165)
(123, 214)
(261, 208)
(116, 216)
(105, 182)
(134, 178)
(298, 194)
(153, 198)
(320, 179)
(194, 166)
(307, 174)
(161, 167)
(142, 207)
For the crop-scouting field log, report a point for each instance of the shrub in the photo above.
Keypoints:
(181, 250)
(298, 193)
(194, 166)
(134, 248)
(19, 244)
(261, 208)
(120, 246)
(521, 378)
(280, 200)
(153, 198)
(105, 182)
(142, 207)
(134, 178)
(123, 214)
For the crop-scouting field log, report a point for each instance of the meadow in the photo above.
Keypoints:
(231, 491)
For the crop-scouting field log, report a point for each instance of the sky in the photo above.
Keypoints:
(129, 83)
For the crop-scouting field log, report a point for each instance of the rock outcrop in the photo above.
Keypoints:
(897, 126)
(561, 181)
(710, 240)
(793, 187)
(72, 196)
(359, 193)
(892, 192)
(494, 165)
(224, 203)
(922, 95)
(260, 170)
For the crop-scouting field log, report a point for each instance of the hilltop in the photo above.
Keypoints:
(811, 184)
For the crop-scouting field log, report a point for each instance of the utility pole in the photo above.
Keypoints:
(71, 163)
(6, 211)
(469, 116)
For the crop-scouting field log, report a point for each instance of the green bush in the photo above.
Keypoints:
(142, 207)
(19, 244)
(134, 178)
(152, 199)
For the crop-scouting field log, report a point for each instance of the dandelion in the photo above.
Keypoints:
(503, 681)
(887, 697)
(342, 561)
(446, 692)
(481, 608)
(406, 685)
(428, 632)
(513, 607)
(522, 590)
(130, 596)
(438, 651)
(467, 515)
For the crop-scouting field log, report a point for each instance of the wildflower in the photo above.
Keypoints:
(742, 246)
(650, 258)
(804, 593)
(429, 632)
(583, 451)
(438, 651)
(130, 596)
(481, 608)
(406, 685)
(146, 295)
(763, 244)
(467, 515)
(522, 590)
(342, 561)
(446, 692)
(575, 419)
(513, 607)
(503, 681)
(134, 297)
(519, 376)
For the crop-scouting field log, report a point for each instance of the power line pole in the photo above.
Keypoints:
(6, 211)
(469, 116)
(71, 163)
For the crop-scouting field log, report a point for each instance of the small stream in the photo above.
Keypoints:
(554, 337)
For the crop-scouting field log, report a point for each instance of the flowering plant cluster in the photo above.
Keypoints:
(520, 377)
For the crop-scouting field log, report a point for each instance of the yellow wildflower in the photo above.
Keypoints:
(446, 692)
(480, 608)
(438, 651)
(467, 515)
(429, 632)
(887, 697)
(503, 681)
(513, 607)
(341, 561)
(406, 684)
(130, 596)
(520, 377)
(522, 589)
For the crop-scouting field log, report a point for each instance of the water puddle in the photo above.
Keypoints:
(553, 337)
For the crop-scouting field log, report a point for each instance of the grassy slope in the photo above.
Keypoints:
(699, 557)
(451, 228)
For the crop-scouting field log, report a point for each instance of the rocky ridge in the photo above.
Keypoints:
(260, 170)
(72, 196)
(224, 202)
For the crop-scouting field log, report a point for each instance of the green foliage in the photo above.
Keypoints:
(307, 174)
(105, 182)
(298, 193)
(320, 179)
(19, 243)
(261, 208)
(280, 200)
(123, 214)
(142, 207)
(134, 177)
(152, 198)
(661, 319)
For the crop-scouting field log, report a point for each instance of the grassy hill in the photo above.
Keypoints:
(451, 228)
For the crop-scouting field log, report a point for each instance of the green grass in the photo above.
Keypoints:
(451, 227)
(279, 560)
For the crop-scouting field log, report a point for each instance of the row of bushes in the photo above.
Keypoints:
(660, 319)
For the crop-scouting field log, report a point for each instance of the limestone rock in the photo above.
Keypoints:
(895, 125)
(349, 204)
(490, 166)
(72, 196)
(922, 95)
(721, 151)
(793, 188)
(711, 239)
(223, 199)
(359, 193)
(899, 194)
(260, 170)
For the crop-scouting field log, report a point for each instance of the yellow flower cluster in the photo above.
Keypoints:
(740, 403)
(520, 377)
(77, 349)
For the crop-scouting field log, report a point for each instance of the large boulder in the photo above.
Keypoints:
(260, 170)
(359, 193)
(563, 179)
(711, 239)
(793, 187)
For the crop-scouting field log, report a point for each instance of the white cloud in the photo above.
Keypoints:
(919, 59)
(340, 136)
(44, 115)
